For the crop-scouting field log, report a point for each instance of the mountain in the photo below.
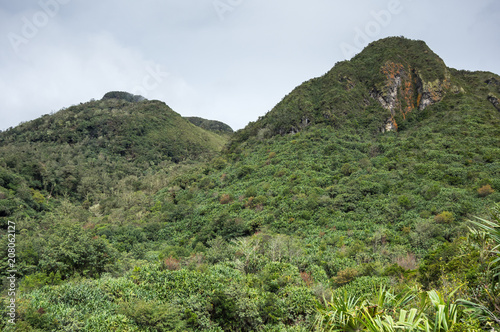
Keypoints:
(378, 88)
(101, 141)
(357, 188)
(388, 140)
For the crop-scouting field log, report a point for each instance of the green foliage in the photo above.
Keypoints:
(444, 217)
(71, 249)
(38, 280)
(129, 219)
(276, 275)
(432, 313)
(486, 304)
(345, 276)
(153, 316)
(210, 125)
(108, 140)
(123, 96)
(343, 96)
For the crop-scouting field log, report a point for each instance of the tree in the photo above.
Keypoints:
(70, 249)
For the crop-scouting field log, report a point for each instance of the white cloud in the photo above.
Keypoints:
(233, 70)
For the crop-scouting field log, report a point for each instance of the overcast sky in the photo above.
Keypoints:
(229, 60)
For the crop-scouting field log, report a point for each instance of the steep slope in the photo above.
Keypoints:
(392, 137)
(387, 143)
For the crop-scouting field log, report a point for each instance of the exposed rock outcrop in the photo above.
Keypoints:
(494, 100)
(405, 90)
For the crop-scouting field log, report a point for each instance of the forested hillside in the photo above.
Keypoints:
(347, 207)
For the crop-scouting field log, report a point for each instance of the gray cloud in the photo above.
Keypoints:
(230, 60)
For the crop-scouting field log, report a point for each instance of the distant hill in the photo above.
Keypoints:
(211, 125)
(114, 136)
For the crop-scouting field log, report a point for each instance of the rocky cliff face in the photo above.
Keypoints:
(405, 90)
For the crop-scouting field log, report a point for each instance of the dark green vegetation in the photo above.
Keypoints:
(123, 96)
(345, 208)
(211, 125)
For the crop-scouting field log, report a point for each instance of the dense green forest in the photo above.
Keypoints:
(366, 200)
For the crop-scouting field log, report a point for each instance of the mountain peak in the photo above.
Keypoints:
(378, 87)
(410, 76)
(413, 53)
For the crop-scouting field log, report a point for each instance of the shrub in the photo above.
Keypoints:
(37, 196)
(298, 301)
(280, 173)
(276, 275)
(259, 200)
(39, 280)
(347, 169)
(244, 171)
(153, 316)
(345, 276)
(465, 327)
(485, 190)
(404, 201)
(219, 163)
(206, 183)
(431, 191)
(171, 264)
(444, 217)
(251, 191)
(225, 199)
